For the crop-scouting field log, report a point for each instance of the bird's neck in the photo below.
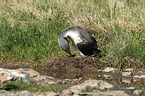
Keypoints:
(74, 36)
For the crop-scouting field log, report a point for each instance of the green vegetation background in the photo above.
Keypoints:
(30, 28)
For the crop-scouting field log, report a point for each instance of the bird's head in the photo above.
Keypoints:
(64, 44)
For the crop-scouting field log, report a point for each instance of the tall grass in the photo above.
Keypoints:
(30, 28)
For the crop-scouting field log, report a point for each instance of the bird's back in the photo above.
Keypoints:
(85, 35)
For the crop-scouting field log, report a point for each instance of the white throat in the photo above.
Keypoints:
(74, 36)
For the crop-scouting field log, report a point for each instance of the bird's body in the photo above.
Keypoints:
(82, 41)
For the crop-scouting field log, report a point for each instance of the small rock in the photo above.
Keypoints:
(24, 93)
(126, 73)
(129, 69)
(51, 82)
(6, 93)
(137, 92)
(130, 88)
(21, 93)
(33, 73)
(39, 77)
(109, 69)
(108, 76)
(142, 76)
(105, 93)
(92, 84)
(66, 92)
(104, 85)
(126, 81)
(5, 77)
(9, 74)
(49, 77)
(51, 94)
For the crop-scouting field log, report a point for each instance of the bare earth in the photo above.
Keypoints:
(62, 67)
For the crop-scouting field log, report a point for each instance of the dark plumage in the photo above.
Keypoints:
(82, 40)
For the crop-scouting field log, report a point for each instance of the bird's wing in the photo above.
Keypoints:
(85, 34)
(88, 48)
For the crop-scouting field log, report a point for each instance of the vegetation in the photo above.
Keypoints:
(30, 28)
(20, 85)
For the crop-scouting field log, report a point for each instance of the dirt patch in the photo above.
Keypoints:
(69, 67)
(63, 66)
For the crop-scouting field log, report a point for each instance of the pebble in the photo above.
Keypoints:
(128, 81)
(137, 92)
(51, 94)
(137, 76)
(129, 69)
(126, 73)
(110, 69)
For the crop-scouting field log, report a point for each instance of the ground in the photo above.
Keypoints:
(80, 68)
(62, 66)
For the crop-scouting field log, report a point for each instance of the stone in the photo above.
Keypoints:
(51, 94)
(66, 92)
(105, 93)
(130, 88)
(137, 92)
(126, 73)
(11, 74)
(51, 82)
(5, 77)
(33, 73)
(129, 69)
(24, 93)
(109, 69)
(108, 76)
(21, 93)
(128, 81)
(137, 76)
(92, 84)
(39, 77)
(6, 93)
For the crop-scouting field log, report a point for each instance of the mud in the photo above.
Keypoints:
(63, 67)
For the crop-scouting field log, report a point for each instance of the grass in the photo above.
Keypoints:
(29, 29)
(19, 85)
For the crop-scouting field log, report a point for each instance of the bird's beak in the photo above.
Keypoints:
(64, 44)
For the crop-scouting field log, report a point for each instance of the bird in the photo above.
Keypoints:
(82, 41)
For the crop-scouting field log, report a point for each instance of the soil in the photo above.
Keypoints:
(63, 66)
(80, 68)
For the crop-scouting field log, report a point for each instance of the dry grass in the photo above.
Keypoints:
(29, 28)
